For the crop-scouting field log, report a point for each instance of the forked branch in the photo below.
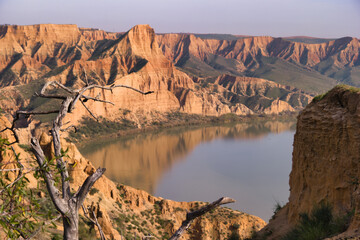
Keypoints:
(90, 215)
(65, 202)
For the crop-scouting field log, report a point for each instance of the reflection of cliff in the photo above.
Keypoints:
(114, 201)
(141, 160)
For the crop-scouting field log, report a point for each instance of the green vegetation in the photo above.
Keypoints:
(291, 74)
(319, 224)
(14, 213)
(349, 88)
(195, 67)
(86, 230)
(319, 97)
(276, 209)
(93, 191)
(23, 210)
(90, 127)
(342, 86)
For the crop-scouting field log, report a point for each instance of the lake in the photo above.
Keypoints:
(249, 162)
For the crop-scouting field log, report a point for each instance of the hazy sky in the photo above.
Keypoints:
(320, 18)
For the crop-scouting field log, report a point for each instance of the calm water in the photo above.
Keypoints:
(248, 162)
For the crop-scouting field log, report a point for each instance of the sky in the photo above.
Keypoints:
(277, 18)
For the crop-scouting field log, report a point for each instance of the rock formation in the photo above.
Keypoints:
(344, 51)
(267, 56)
(31, 55)
(325, 160)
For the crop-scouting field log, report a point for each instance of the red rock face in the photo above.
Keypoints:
(344, 51)
(73, 56)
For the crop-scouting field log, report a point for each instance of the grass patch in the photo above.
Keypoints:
(349, 88)
(276, 209)
(90, 127)
(341, 86)
(319, 224)
(93, 191)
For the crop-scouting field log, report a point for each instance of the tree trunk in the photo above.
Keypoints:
(71, 226)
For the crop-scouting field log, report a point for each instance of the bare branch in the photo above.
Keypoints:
(72, 126)
(89, 110)
(85, 188)
(197, 213)
(94, 220)
(57, 124)
(96, 99)
(111, 87)
(54, 84)
(28, 113)
(54, 193)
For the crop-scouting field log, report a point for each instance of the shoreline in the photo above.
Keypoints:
(181, 122)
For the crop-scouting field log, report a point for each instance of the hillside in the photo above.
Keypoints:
(313, 67)
(32, 55)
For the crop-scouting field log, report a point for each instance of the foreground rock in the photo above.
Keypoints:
(325, 161)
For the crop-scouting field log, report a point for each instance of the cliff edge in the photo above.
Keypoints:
(326, 162)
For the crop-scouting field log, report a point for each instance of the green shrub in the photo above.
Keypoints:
(93, 191)
(90, 127)
(234, 236)
(319, 224)
(276, 209)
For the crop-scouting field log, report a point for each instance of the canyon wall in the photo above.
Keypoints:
(344, 51)
(326, 161)
(32, 55)
(312, 67)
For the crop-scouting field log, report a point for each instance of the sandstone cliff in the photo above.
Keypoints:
(274, 58)
(31, 55)
(344, 51)
(325, 160)
(124, 211)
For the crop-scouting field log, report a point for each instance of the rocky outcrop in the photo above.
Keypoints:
(325, 160)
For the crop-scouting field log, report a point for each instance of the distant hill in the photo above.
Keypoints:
(312, 67)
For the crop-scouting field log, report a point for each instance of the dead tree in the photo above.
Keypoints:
(65, 202)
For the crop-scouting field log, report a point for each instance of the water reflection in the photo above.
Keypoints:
(174, 164)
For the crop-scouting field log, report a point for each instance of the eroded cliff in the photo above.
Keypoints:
(325, 161)
(317, 65)
(32, 55)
